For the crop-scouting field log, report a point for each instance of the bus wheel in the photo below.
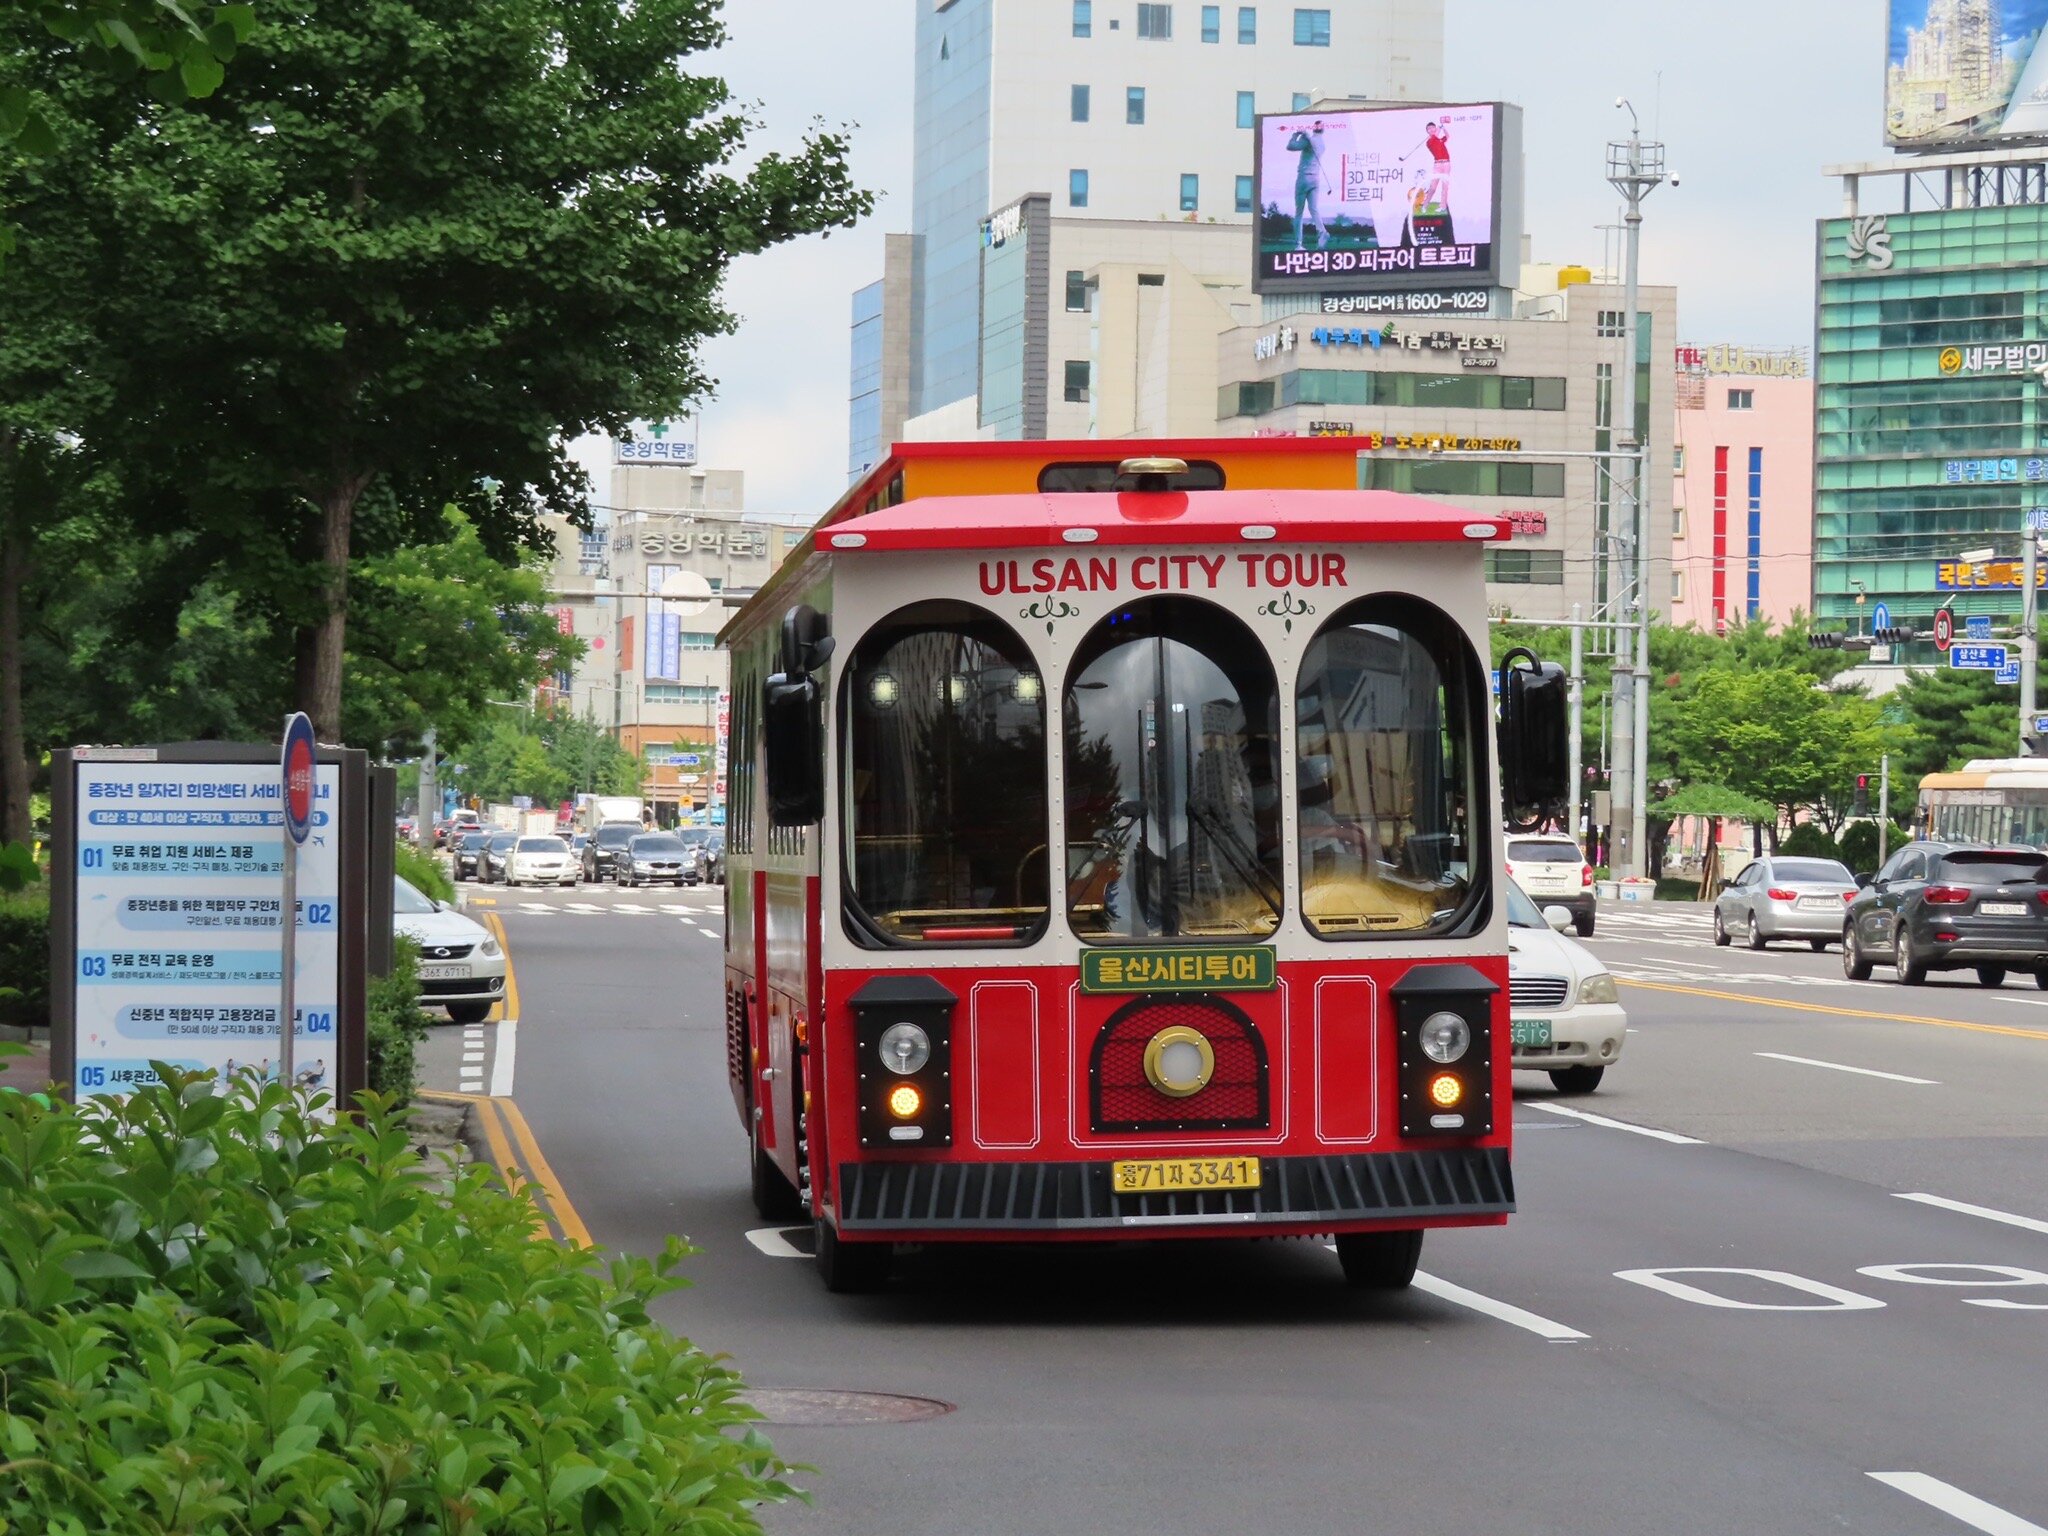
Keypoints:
(851, 1269)
(774, 1196)
(1379, 1261)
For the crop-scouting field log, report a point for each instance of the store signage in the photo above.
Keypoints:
(740, 543)
(1744, 362)
(1528, 524)
(1001, 228)
(1222, 968)
(1274, 343)
(1870, 242)
(1965, 471)
(1463, 301)
(1966, 576)
(1437, 442)
(656, 442)
(1474, 351)
(1331, 429)
(2031, 357)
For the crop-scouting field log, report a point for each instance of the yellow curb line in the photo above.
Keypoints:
(537, 1166)
(1846, 1013)
(506, 1007)
(490, 1115)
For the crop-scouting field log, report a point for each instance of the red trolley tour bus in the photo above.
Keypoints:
(1113, 853)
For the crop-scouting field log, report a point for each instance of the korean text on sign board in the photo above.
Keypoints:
(1986, 575)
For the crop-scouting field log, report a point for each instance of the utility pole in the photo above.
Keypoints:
(430, 795)
(2030, 648)
(1576, 728)
(1634, 169)
(1884, 806)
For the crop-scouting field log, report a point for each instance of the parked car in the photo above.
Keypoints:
(497, 848)
(653, 858)
(601, 853)
(709, 847)
(462, 968)
(1950, 907)
(1784, 898)
(1552, 870)
(1564, 1011)
(465, 847)
(541, 861)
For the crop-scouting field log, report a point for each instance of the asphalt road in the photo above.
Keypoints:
(1791, 1276)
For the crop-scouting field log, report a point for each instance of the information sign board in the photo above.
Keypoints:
(1977, 626)
(1976, 658)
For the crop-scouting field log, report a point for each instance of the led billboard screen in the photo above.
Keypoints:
(1965, 72)
(1387, 197)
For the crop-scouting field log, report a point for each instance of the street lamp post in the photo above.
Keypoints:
(1634, 169)
(2029, 646)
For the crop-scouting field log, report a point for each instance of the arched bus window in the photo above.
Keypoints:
(1388, 772)
(1172, 721)
(945, 782)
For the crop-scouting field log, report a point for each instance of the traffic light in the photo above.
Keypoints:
(1824, 640)
(1862, 794)
(1894, 634)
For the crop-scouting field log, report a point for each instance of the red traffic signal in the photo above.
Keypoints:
(1863, 781)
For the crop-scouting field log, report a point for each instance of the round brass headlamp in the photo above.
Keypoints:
(1179, 1061)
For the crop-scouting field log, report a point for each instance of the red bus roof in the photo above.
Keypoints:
(1158, 517)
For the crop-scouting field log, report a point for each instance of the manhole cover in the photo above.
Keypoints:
(797, 1405)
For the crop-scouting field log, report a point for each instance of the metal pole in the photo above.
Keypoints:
(2030, 648)
(288, 961)
(430, 795)
(1578, 720)
(1884, 805)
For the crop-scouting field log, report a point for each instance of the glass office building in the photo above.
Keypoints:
(864, 402)
(1928, 446)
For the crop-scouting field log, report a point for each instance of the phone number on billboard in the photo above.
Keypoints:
(1454, 300)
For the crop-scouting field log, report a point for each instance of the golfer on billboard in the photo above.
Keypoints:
(1436, 185)
(1308, 183)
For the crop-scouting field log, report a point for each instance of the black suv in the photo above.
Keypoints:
(607, 843)
(1951, 907)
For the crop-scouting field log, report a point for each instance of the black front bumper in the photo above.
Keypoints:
(1054, 1197)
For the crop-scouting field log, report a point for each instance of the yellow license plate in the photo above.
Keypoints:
(1166, 1175)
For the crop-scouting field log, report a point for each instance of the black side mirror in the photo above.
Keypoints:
(1535, 756)
(1863, 882)
(793, 723)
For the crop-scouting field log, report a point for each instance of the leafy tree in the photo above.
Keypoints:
(1952, 717)
(1809, 840)
(408, 254)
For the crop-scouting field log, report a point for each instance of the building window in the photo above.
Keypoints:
(1134, 104)
(1078, 108)
(1678, 522)
(1311, 29)
(1678, 586)
(1084, 18)
(1741, 399)
(1678, 459)
(1155, 22)
(1526, 567)
(1077, 289)
(1077, 189)
(1244, 194)
(1212, 23)
(1190, 192)
(1076, 382)
(1245, 109)
(1247, 23)
(1151, 279)
(1609, 323)
(1299, 102)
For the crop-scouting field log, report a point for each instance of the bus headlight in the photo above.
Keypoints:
(1599, 988)
(905, 1049)
(1445, 1037)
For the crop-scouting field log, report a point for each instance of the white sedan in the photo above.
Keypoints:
(541, 861)
(1564, 1014)
(462, 968)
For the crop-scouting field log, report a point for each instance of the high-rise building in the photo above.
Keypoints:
(1931, 340)
(1137, 113)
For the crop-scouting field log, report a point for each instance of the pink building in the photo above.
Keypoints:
(1742, 502)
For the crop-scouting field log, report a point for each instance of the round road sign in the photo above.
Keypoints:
(297, 762)
(1944, 628)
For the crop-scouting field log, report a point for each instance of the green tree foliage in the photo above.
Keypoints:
(1809, 840)
(1951, 717)
(221, 1316)
(409, 253)
(549, 756)
(1778, 735)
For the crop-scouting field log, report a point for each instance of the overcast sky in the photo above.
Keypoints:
(1736, 236)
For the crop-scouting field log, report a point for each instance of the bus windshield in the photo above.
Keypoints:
(1172, 777)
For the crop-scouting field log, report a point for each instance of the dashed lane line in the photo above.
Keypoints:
(1836, 1066)
(1501, 1311)
(1986, 1212)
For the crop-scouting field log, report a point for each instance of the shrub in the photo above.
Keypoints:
(25, 957)
(1809, 840)
(396, 1024)
(219, 1316)
(425, 872)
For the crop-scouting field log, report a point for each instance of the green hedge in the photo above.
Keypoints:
(25, 957)
(396, 1024)
(424, 871)
(217, 1316)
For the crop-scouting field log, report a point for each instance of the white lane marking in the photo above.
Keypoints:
(524, 906)
(1619, 1125)
(1502, 1311)
(501, 1069)
(671, 906)
(617, 906)
(1832, 1298)
(770, 1240)
(1984, 1211)
(1966, 1507)
(469, 1058)
(471, 1085)
(1836, 1066)
(567, 906)
(705, 931)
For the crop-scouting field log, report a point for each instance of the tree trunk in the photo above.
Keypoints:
(320, 647)
(15, 826)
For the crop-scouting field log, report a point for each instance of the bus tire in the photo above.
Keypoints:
(851, 1269)
(774, 1196)
(1379, 1261)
